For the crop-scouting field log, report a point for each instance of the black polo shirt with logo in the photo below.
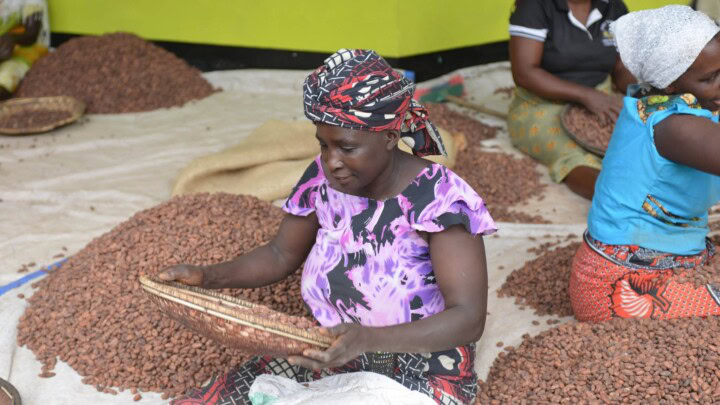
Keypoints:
(583, 54)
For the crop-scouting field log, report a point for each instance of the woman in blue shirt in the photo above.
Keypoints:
(647, 226)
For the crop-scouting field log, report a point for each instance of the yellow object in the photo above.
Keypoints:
(13, 70)
(536, 130)
(393, 28)
(270, 161)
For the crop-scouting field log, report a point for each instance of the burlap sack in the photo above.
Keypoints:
(269, 162)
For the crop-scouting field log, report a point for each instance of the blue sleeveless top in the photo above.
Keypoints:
(643, 199)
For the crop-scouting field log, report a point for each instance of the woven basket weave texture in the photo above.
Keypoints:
(242, 325)
(70, 105)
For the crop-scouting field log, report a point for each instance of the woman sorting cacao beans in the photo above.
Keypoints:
(394, 257)
(648, 224)
(561, 52)
(24, 38)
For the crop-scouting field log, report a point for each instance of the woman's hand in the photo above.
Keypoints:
(184, 273)
(351, 341)
(604, 106)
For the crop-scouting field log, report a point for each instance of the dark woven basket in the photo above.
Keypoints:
(575, 137)
(7, 389)
(74, 107)
(233, 322)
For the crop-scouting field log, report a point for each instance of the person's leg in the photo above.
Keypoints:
(600, 289)
(448, 377)
(535, 129)
(581, 181)
(233, 388)
(591, 281)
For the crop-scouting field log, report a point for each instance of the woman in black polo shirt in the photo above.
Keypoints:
(561, 52)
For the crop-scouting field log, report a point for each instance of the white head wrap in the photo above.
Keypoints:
(658, 46)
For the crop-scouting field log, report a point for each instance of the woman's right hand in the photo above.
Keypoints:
(604, 106)
(184, 273)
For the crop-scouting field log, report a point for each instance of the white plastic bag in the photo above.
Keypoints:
(359, 388)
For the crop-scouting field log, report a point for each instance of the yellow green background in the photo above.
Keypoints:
(394, 28)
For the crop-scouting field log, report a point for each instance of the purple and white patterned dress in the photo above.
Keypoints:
(369, 265)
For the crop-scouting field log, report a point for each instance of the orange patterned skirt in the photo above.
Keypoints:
(618, 281)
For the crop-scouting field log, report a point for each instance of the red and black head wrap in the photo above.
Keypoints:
(357, 89)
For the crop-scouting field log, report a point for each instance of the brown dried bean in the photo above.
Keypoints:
(588, 128)
(501, 179)
(115, 73)
(619, 361)
(92, 314)
(542, 283)
(455, 122)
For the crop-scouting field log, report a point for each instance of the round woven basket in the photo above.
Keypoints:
(233, 322)
(575, 137)
(9, 391)
(70, 105)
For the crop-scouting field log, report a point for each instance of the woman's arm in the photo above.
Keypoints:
(690, 140)
(263, 266)
(622, 77)
(525, 57)
(459, 265)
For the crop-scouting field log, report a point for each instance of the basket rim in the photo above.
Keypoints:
(221, 305)
(563, 117)
(11, 391)
(76, 108)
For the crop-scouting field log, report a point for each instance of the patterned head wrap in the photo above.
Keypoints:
(357, 89)
(658, 46)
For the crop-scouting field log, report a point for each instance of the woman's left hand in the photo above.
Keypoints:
(351, 341)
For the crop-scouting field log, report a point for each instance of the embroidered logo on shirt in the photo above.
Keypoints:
(607, 37)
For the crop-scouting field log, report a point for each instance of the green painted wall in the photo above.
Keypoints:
(394, 28)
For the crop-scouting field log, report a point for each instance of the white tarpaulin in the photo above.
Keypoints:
(64, 188)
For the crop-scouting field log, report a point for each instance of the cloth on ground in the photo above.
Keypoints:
(269, 162)
(349, 389)
(631, 282)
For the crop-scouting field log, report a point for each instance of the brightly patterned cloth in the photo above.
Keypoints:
(369, 264)
(357, 89)
(535, 128)
(632, 282)
(448, 377)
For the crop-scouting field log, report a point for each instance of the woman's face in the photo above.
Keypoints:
(352, 160)
(702, 78)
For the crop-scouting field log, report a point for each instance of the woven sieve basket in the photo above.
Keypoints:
(70, 105)
(10, 393)
(577, 138)
(233, 322)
